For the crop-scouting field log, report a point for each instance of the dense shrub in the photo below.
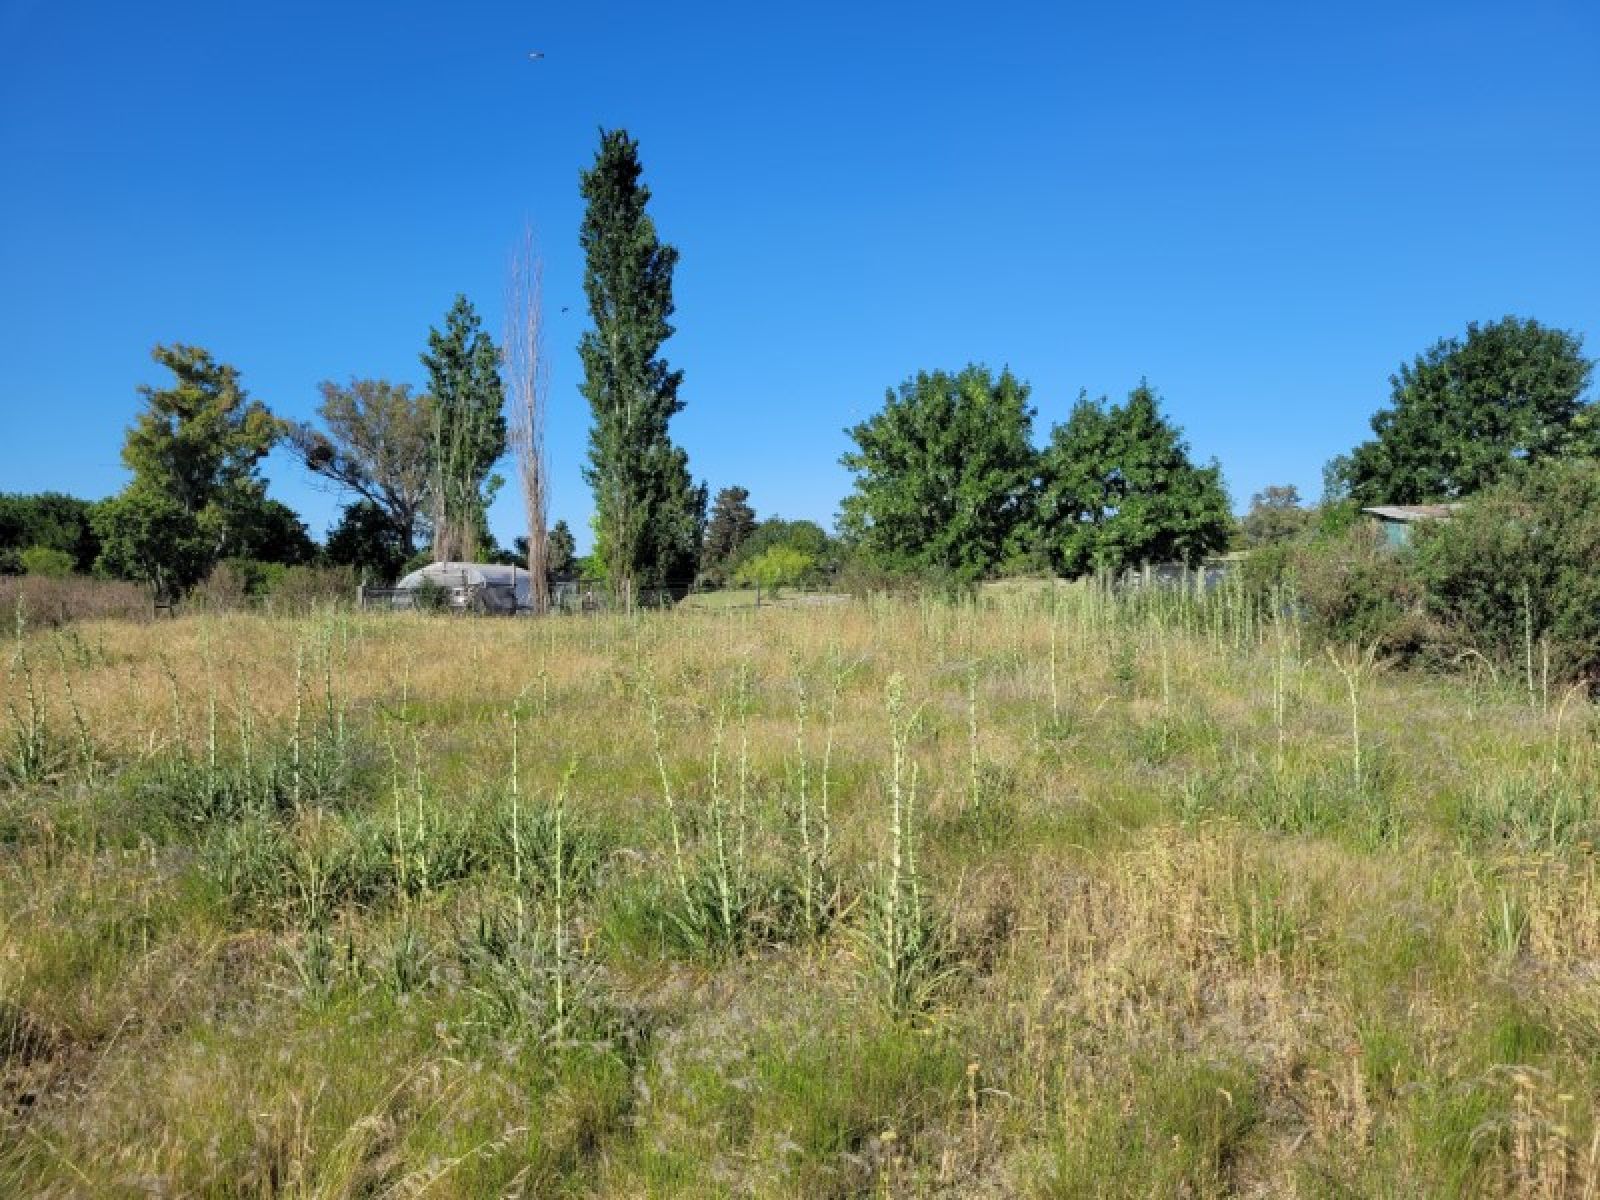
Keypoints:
(1518, 571)
(47, 561)
(238, 583)
(234, 583)
(1353, 588)
(303, 589)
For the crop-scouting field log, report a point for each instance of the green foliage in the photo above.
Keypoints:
(805, 536)
(1355, 590)
(202, 439)
(1464, 413)
(1181, 1127)
(732, 523)
(561, 550)
(1276, 516)
(469, 428)
(367, 539)
(146, 534)
(265, 530)
(776, 566)
(48, 519)
(944, 473)
(235, 581)
(650, 516)
(377, 441)
(1118, 490)
(46, 561)
(196, 493)
(1514, 570)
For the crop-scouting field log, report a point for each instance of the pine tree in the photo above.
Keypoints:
(469, 429)
(649, 515)
(195, 453)
(732, 522)
(562, 553)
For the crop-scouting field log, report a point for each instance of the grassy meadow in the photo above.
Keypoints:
(1041, 896)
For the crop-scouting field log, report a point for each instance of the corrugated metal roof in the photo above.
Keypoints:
(1412, 512)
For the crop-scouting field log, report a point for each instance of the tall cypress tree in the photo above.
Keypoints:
(469, 429)
(649, 515)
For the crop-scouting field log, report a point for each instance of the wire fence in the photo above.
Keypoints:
(578, 597)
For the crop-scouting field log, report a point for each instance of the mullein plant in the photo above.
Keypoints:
(904, 943)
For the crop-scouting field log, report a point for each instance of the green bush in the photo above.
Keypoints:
(1514, 573)
(46, 561)
(1354, 589)
(306, 589)
(776, 567)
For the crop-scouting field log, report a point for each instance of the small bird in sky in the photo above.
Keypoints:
(535, 55)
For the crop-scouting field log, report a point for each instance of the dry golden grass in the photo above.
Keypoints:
(272, 921)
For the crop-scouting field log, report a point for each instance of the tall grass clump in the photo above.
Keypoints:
(904, 943)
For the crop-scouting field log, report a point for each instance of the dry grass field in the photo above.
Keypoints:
(1040, 896)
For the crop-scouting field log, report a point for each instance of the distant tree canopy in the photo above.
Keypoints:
(1275, 516)
(51, 521)
(778, 565)
(367, 539)
(268, 531)
(1117, 489)
(944, 473)
(377, 441)
(561, 551)
(1465, 412)
(948, 480)
(469, 429)
(649, 515)
(732, 522)
(197, 494)
(805, 537)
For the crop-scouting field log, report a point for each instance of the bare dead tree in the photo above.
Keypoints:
(527, 374)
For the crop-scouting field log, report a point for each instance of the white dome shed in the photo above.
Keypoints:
(480, 587)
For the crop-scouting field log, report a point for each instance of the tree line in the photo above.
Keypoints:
(948, 480)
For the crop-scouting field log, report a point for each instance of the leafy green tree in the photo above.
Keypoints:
(1276, 516)
(650, 517)
(367, 539)
(806, 537)
(195, 453)
(146, 534)
(1462, 414)
(944, 473)
(732, 522)
(776, 566)
(469, 430)
(1118, 489)
(51, 520)
(376, 440)
(266, 530)
(561, 551)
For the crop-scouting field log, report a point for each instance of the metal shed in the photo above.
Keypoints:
(476, 587)
(1396, 521)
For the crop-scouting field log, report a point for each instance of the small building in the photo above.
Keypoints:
(1396, 521)
(470, 587)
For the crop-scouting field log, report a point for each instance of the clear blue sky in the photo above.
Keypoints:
(1264, 208)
